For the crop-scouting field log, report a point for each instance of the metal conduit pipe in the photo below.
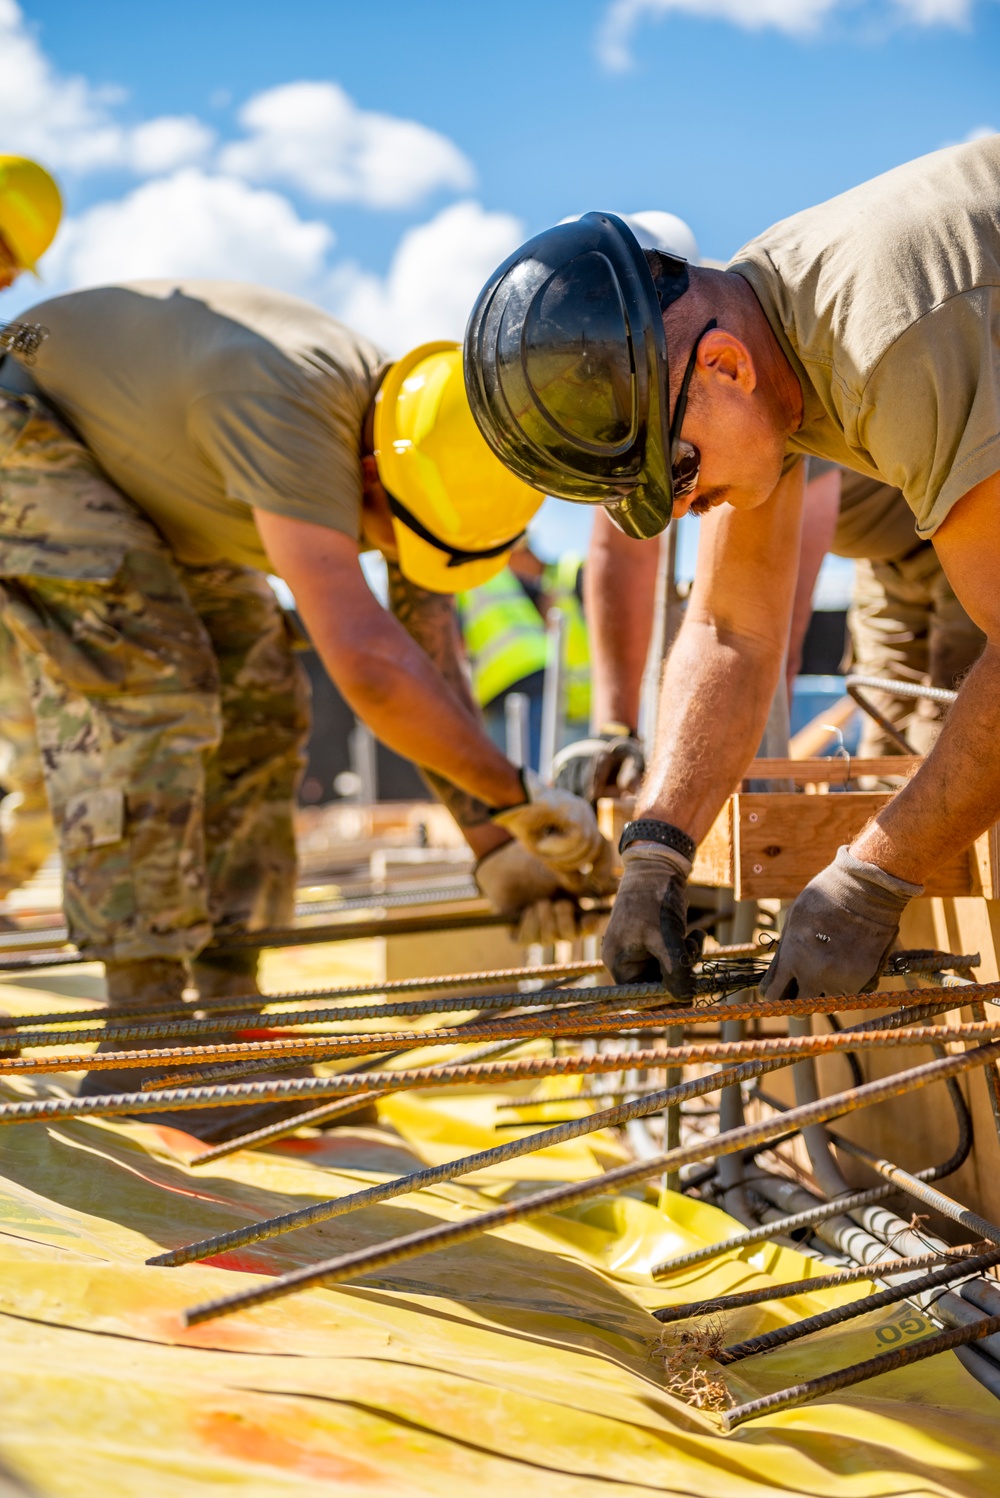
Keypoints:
(865, 1242)
(817, 1142)
(731, 1167)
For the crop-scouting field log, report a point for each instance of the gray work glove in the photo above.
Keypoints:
(561, 830)
(609, 764)
(525, 890)
(839, 931)
(646, 939)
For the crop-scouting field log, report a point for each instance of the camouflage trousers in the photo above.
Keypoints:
(906, 623)
(27, 836)
(170, 709)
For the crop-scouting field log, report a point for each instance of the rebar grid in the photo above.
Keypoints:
(886, 1362)
(272, 1132)
(557, 1198)
(877, 1269)
(837, 1315)
(530, 1028)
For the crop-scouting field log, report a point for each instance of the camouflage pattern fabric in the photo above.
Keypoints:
(27, 836)
(906, 623)
(171, 711)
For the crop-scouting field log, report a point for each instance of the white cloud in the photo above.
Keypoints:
(622, 18)
(313, 137)
(435, 276)
(980, 132)
(166, 143)
(69, 124)
(192, 224)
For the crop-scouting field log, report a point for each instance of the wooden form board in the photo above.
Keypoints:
(770, 844)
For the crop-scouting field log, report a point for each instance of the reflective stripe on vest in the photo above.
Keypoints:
(559, 583)
(504, 635)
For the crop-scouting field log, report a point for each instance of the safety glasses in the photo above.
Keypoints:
(685, 459)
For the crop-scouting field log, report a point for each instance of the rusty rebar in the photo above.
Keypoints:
(341, 1014)
(783, 1228)
(886, 1362)
(556, 1198)
(108, 1105)
(916, 1185)
(255, 1003)
(343, 1084)
(287, 1222)
(530, 1027)
(877, 1269)
(837, 1315)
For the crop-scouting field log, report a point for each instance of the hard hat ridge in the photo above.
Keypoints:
(566, 368)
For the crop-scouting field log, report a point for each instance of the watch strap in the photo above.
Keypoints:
(646, 830)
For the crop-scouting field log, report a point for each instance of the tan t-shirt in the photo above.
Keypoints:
(205, 399)
(874, 521)
(886, 301)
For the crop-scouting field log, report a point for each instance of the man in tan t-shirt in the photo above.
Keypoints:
(166, 445)
(904, 621)
(865, 330)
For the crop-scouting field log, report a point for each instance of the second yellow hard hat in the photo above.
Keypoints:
(457, 511)
(30, 209)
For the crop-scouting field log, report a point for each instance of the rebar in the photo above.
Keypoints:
(326, 1112)
(420, 1180)
(213, 1024)
(238, 1003)
(837, 1315)
(915, 1186)
(886, 1362)
(843, 1202)
(556, 1198)
(456, 1074)
(556, 1026)
(854, 682)
(475, 1025)
(784, 1228)
(874, 1271)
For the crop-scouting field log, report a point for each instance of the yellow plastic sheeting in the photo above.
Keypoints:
(526, 1358)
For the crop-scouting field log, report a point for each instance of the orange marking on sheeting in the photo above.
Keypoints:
(233, 1435)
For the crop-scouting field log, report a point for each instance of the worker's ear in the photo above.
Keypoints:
(376, 517)
(723, 356)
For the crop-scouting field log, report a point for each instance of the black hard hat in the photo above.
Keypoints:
(566, 369)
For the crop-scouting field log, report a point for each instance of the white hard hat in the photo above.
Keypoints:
(655, 229)
(658, 230)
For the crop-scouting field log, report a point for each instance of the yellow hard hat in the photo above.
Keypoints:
(456, 510)
(30, 209)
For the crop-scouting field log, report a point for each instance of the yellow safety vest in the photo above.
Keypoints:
(504, 635)
(559, 583)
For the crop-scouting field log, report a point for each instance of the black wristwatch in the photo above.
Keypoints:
(648, 831)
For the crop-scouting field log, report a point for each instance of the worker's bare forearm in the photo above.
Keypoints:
(724, 667)
(388, 680)
(429, 619)
(714, 703)
(956, 793)
(619, 592)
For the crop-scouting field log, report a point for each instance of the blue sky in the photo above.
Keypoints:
(381, 158)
